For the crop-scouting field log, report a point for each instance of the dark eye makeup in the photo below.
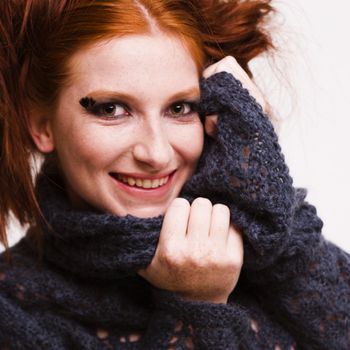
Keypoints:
(107, 109)
(104, 110)
(87, 103)
(183, 108)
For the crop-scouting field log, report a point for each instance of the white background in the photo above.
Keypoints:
(310, 92)
(307, 84)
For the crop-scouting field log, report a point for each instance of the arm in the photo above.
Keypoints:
(195, 267)
(310, 286)
(196, 324)
(298, 273)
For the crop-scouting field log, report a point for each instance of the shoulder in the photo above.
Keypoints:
(15, 302)
(18, 272)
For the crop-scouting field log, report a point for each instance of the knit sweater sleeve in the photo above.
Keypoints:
(308, 286)
(300, 277)
(196, 324)
(309, 292)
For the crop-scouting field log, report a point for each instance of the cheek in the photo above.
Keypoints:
(188, 142)
(86, 146)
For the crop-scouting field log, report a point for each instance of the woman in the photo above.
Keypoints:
(160, 170)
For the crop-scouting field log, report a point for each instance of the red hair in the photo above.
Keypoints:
(38, 38)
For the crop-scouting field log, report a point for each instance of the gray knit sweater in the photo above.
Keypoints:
(293, 291)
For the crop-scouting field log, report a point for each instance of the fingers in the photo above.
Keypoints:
(235, 246)
(198, 223)
(220, 223)
(227, 64)
(199, 254)
(175, 220)
(230, 65)
(200, 218)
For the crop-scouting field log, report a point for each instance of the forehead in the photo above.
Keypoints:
(144, 64)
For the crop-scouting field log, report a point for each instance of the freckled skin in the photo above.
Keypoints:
(151, 68)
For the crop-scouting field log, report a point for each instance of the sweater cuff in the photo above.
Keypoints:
(224, 90)
(229, 321)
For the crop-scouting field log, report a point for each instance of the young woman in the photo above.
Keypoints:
(163, 216)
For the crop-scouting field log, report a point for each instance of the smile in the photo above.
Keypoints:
(142, 183)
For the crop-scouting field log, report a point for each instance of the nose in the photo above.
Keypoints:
(152, 147)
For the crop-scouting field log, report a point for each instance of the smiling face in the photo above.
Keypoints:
(126, 130)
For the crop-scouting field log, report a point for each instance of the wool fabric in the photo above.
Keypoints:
(294, 287)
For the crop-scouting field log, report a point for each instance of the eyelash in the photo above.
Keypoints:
(97, 109)
(192, 105)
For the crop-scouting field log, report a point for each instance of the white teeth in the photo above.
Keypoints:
(143, 183)
(131, 181)
(146, 183)
(155, 183)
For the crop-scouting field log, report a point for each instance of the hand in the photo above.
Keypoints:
(230, 65)
(246, 167)
(199, 255)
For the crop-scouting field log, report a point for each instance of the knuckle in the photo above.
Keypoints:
(236, 262)
(235, 232)
(193, 260)
(230, 59)
(199, 256)
(225, 264)
(169, 258)
(206, 73)
(198, 262)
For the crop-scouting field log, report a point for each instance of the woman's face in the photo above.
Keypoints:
(126, 130)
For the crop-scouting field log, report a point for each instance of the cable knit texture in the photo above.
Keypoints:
(294, 288)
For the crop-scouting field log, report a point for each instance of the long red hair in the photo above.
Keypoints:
(38, 37)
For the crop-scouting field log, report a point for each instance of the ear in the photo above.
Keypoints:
(40, 128)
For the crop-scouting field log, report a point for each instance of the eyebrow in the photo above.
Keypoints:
(193, 92)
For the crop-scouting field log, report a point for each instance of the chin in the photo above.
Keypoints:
(147, 213)
(144, 213)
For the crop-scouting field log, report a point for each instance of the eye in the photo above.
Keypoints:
(110, 110)
(182, 108)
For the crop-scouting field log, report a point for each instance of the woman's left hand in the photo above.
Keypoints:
(230, 65)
